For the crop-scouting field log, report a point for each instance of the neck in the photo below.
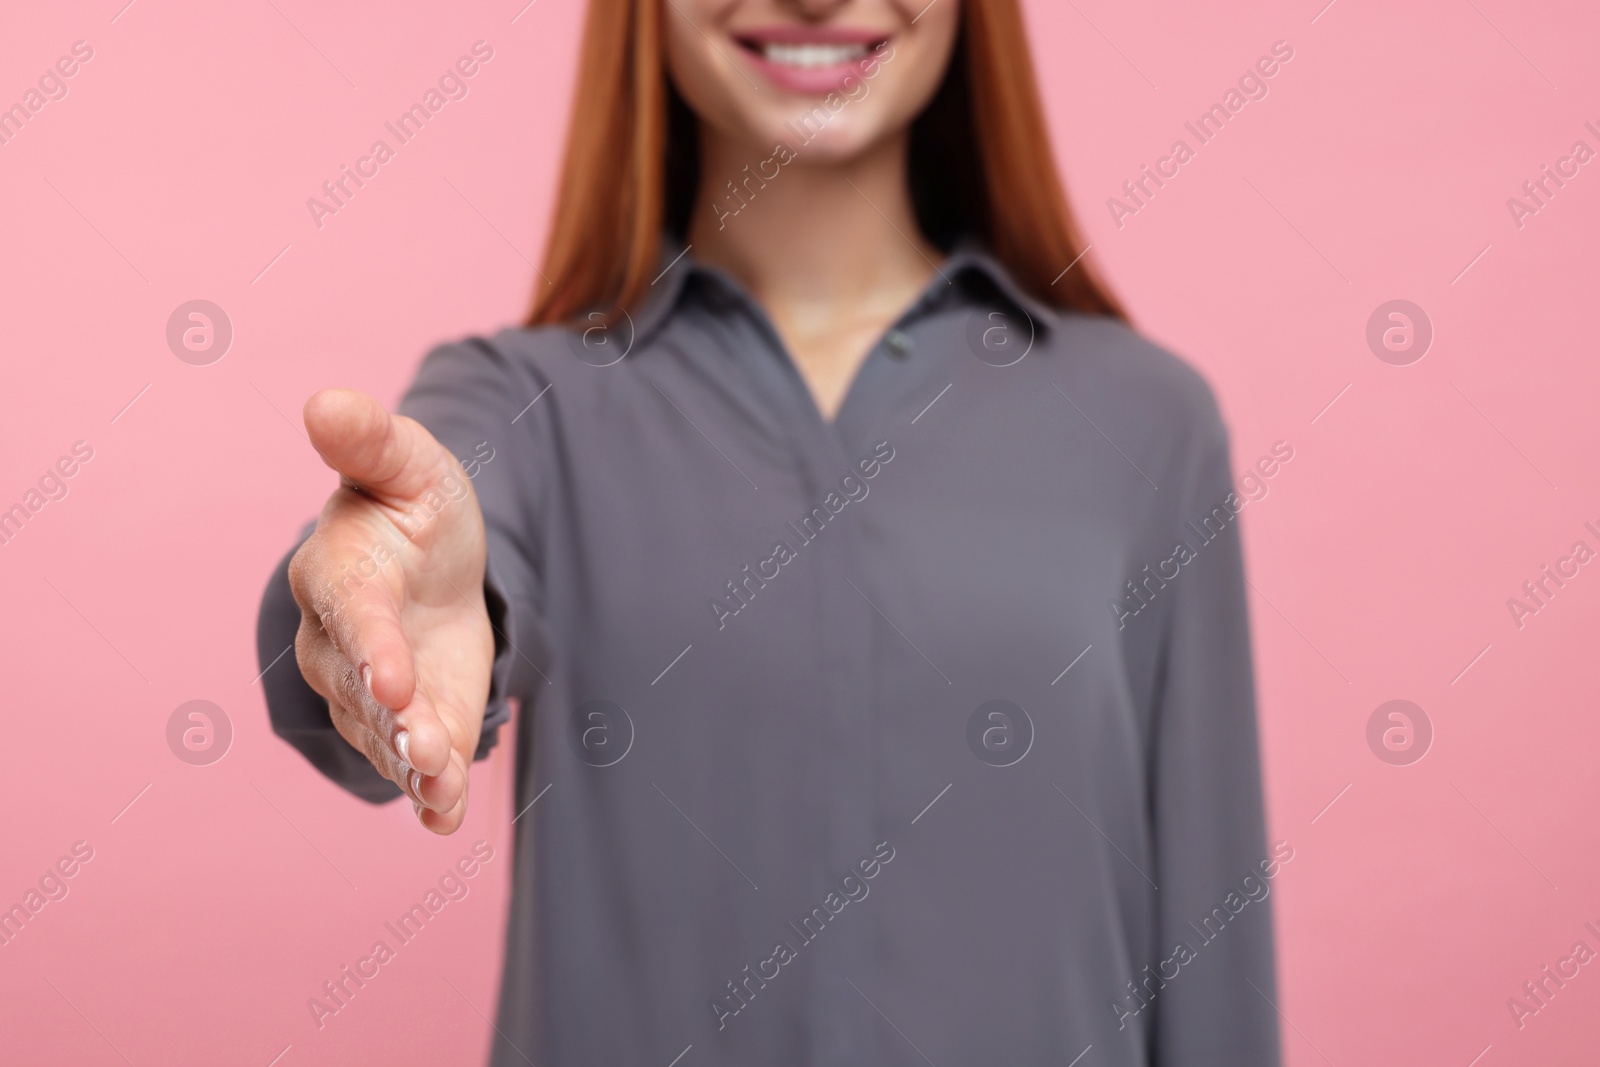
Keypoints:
(836, 237)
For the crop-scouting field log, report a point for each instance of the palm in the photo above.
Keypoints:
(453, 647)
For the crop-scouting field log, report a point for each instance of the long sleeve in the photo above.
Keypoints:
(467, 397)
(1214, 949)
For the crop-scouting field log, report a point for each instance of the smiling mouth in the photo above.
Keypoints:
(809, 55)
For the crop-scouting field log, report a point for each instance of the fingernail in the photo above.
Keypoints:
(366, 679)
(416, 785)
(402, 745)
(416, 809)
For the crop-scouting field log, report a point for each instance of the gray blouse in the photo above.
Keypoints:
(925, 736)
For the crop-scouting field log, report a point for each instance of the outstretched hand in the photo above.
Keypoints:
(393, 630)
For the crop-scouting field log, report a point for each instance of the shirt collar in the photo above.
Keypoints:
(967, 261)
(971, 259)
(675, 264)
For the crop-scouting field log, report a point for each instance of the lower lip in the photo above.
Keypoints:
(811, 81)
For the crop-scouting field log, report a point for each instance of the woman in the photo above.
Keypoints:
(825, 519)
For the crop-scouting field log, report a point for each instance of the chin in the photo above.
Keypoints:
(822, 144)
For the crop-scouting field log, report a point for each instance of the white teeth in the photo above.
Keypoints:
(808, 56)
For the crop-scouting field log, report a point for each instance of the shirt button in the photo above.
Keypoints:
(899, 343)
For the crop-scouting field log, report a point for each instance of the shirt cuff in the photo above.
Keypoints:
(497, 712)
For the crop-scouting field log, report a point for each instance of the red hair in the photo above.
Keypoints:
(980, 166)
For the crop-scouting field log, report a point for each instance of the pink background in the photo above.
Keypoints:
(1378, 168)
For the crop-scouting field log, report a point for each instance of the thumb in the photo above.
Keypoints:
(386, 454)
